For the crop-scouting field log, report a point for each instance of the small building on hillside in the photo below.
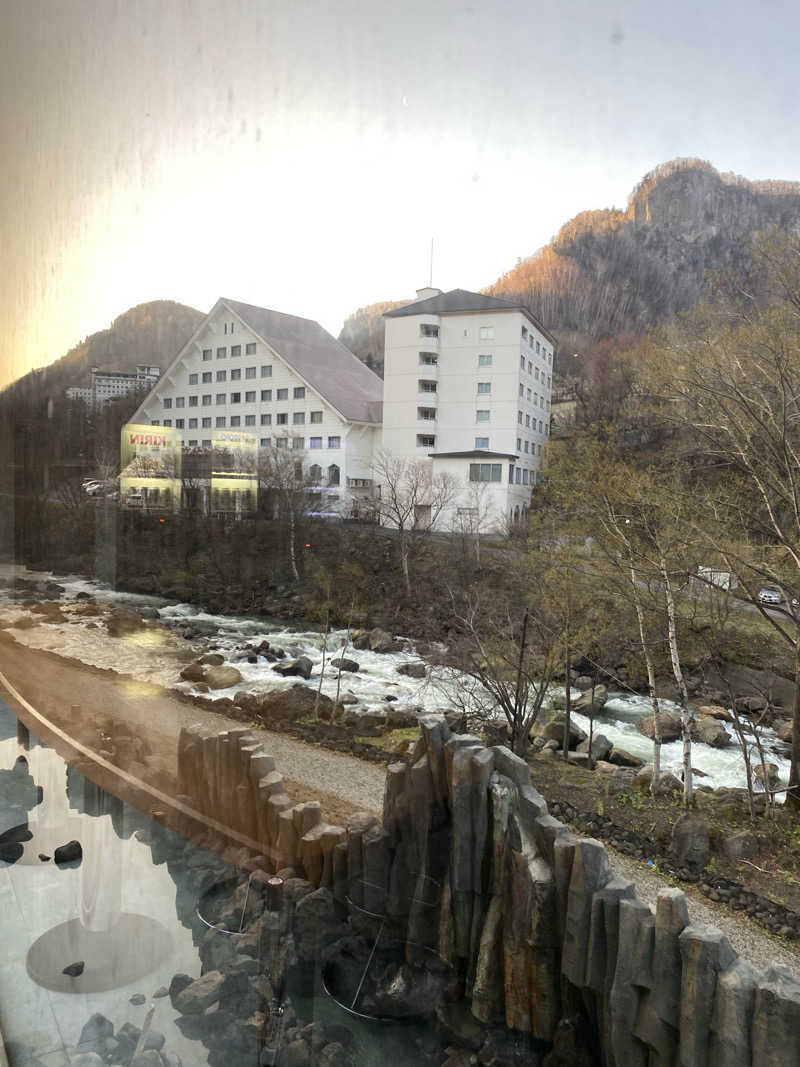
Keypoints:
(467, 387)
(110, 385)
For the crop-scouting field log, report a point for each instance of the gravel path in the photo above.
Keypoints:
(341, 783)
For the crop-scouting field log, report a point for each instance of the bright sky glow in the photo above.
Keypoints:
(302, 155)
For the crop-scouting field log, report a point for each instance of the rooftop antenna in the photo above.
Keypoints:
(430, 281)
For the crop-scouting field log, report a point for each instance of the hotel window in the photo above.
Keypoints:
(526, 446)
(167, 401)
(334, 442)
(484, 361)
(522, 363)
(536, 374)
(537, 348)
(280, 442)
(249, 372)
(518, 476)
(206, 355)
(265, 442)
(511, 474)
(206, 423)
(519, 444)
(428, 330)
(484, 388)
(299, 418)
(192, 401)
(525, 477)
(298, 443)
(315, 442)
(235, 420)
(221, 353)
(266, 394)
(427, 414)
(299, 392)
(155, 422)
(192, 424)
(220, 398)
(425, 441)
(316, 416)
(482, 415)
(529, 394)
(530, 366)
(192, 379)
(281, 419)
(528, 421)
(486, 333)
(266, 370)
(519, 417)
(541, 401)
(167, 422)
(250, 396)
(206, 442)
(220, 422)
(193, 443)
(481, 442)
(429, 359)
(521, 389)
(524, 333)
(236, 374)
(485, 472)
(207, 377)
(266, 420)
(236, 398)
(206, 399)
(282, 394)
(540, 425)
(221, 375)
(250, 349)
(179, 401)
(426, 386)
(236, 350)
(179, 424)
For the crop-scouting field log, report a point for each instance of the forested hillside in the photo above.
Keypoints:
(610, 272)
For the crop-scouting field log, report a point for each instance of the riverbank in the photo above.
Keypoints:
(343, 785)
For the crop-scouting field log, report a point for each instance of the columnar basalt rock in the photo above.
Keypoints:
(467, 863)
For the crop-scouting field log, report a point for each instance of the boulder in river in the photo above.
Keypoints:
(710, 732)
(669, 722)
(344, 664)
(412, 670)
(222, 677)
(714, 711)
(194, 672)
(766, 774)
(300, 667)
(591, 701)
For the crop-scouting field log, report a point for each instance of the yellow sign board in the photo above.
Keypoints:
(150, 467)
(234, 472)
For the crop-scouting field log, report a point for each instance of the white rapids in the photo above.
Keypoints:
(158, 654)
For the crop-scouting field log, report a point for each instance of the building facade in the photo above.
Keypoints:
(109, 385)
(467, 387)
(287, 382)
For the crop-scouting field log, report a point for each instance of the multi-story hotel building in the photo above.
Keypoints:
(285, 381)
(109, 385)
(467, 385)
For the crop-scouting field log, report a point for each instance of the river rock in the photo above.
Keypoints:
(711, 732)
(554, 731)
(766, 774)
(300, 667)
(377, 640)
(345, 664)
(289, 705)
(412, 670)
(194, 672)
(590, 703)
(668, 721)
(222, 677)
(667, 783)
(714, 711)
(741, 845)
(785, 732)
(601, 747)
(622, 758)
(210, 659)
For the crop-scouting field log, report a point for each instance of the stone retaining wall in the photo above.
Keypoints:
(468, 862)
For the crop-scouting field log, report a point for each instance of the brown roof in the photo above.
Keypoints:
(462, 300)
(326, 364)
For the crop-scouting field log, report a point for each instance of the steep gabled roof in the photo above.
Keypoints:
(332, 370)
(461, 300)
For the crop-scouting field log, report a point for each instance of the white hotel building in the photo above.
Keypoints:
(467, 384)
(284, 380)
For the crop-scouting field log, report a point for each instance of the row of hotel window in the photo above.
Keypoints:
(486, 333)
(207, 399)
(425, 440)
(431, 359)
(280, 442)
(493, 472)
(425, 385)
(527, 335)
(236, 350)
(236, 376)
(222, 423)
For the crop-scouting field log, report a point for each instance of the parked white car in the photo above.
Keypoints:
(770, 595)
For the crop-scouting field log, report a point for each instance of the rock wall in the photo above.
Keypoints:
(469, 863)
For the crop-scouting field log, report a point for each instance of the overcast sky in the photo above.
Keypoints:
(301, 155)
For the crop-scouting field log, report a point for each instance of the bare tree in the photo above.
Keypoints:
(476, 517)
(411, 498)
(281, 472)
